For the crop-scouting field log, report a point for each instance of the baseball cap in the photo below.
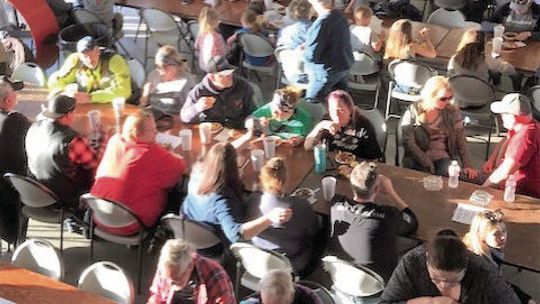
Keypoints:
(513, 103)
(59, 106)
(86, 44)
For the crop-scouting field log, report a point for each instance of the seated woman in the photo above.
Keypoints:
(401, 44)
(167, 86)
(295, 239)
(487, 238)
(137, 172)
(444, 271)
(520, 16)
(346, 130)
(284, 117)
(215, 197)
(433, 132)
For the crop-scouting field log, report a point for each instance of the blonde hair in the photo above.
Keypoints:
(428, 96)
(250, 18)
(176, 254)
(399, 38)
(362, 12)
(135, 124)
(300, 9)
(208, 20)
(364, 179)
(482, 225)
(274, 176)
(168, 53)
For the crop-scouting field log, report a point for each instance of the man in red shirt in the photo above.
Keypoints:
(521, 149)
(137, 171)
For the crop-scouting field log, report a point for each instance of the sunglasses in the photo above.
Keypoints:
(446, 98)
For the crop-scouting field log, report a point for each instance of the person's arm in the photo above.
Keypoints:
(120, 82)
(490, 164)
(258, 225)
(502, 172)
(409, 141)
(171, 167)
(190, 111)
(425, 47)
(386, 188)
(66, 75)
(312, 137)
(159, 291)
(461, 140)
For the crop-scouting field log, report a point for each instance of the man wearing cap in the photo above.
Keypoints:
(219, 97)
(519, 154)
(13, 127)
(101, 75)
(59, 156)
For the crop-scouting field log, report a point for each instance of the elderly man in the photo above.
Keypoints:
(58, 156)
(328, 53)
(519, 154)
(100, 75)
(220, 97)
(365, 232)
(178, 263)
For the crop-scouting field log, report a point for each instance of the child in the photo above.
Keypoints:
(250, 24)
(362, 37)
(209, 44)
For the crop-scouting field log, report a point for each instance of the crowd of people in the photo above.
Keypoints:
(130, 167)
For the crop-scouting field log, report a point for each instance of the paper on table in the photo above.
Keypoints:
(5, 301)
(223, 135)
(465, 213)
(166, 139)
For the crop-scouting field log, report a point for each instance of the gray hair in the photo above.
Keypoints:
(278, 285)
(176, 254)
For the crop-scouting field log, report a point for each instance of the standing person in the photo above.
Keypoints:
(137, 172)
(487, 238)
(347, 129)
(327, 54)
(209, 44)
(178, 263)
(433, 131)
(294, 35)
(366, 232)
(166, 87)
(520, 151)
(401, 44)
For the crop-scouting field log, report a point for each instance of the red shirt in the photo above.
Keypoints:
(137, 175)
(524, 148)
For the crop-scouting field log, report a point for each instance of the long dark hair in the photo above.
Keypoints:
(219, 171)
(470, 52)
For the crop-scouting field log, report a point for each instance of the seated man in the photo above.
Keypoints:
(220, 97)
(365, 232)
(178, 263)
(277, 286)
(137, 171)
(58, 156)
(13, 127)
(519, 154)
(100, 74)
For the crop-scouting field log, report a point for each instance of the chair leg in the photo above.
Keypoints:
(388, 100)
(123, 48)
(237, 278)
(139, 263)
(377, 93)
(138, 29)
(61, 231)
(488, 143)
(91, 239)
(146, 49)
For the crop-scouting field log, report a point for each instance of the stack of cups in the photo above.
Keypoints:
(269, 147)
(205, 132)
(118, 104)
(186, 136)
(257, 158)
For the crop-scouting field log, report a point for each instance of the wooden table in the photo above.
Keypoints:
(435, 209)
(26, 287)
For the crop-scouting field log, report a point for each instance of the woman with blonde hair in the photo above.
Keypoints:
(401, 44)
(295, 238)
(487, 238)
(210, 45)
(433, 131)
(166, 87)
(215, 197)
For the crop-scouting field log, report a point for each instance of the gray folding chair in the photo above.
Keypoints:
(39, 256)
(108, 280)
(378, 122)
(364, 75)
(137, 72)
(257, 46)
(448, 18)
(324, 295)
(450, 4)
(534, 92)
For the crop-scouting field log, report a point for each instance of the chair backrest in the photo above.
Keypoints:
(352, 280)
(257, 94)
(200, 235)
(193, 28)
(255, 45)
(32, 192)
(108, 280)
(377, 119)
(410, 73)
(39, 256)
(82, 16)
(158, 20)
(364, 64)
(257, 261)
(137, 71)
(471, 91)
(324, 295)
(450, 4)
(447, 18)
(31, 73)
(109, 213)
(534, 92)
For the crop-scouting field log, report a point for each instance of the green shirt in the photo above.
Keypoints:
(298, 125)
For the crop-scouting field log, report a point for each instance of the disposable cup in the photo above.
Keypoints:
(205, 132)
(329, 187)
(496, 46)
(94, 117)
(118, 104)
(186, 136)
(269, 147)
(257, 159)
(268, 4)
(498, 31)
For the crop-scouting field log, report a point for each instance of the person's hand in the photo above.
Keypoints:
(488, 167)
(385, 184)
(265, 122)
(205, 103)
(523, 36)
(334, 128)
(432, 169)
(424, 33)
(444, 300)
(294, 141)
(280, 215)
(471, 172)
(82, 97)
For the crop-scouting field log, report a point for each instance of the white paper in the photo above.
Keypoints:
(223, 135)
(166, 139)
(5, 301)
(465, 213)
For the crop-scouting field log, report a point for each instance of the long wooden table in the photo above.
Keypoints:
(26, 287)
(435, 209)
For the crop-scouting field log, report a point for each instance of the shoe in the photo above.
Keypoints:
(71, 226)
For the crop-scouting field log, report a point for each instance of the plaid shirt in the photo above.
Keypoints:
(84, 154)
(213, 285)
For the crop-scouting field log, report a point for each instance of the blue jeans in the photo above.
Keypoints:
(322, 81)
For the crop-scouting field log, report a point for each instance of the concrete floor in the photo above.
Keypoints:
(76, 248)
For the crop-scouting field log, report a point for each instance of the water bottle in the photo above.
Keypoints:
(319, 152)
(510, 189)
(453, 174)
